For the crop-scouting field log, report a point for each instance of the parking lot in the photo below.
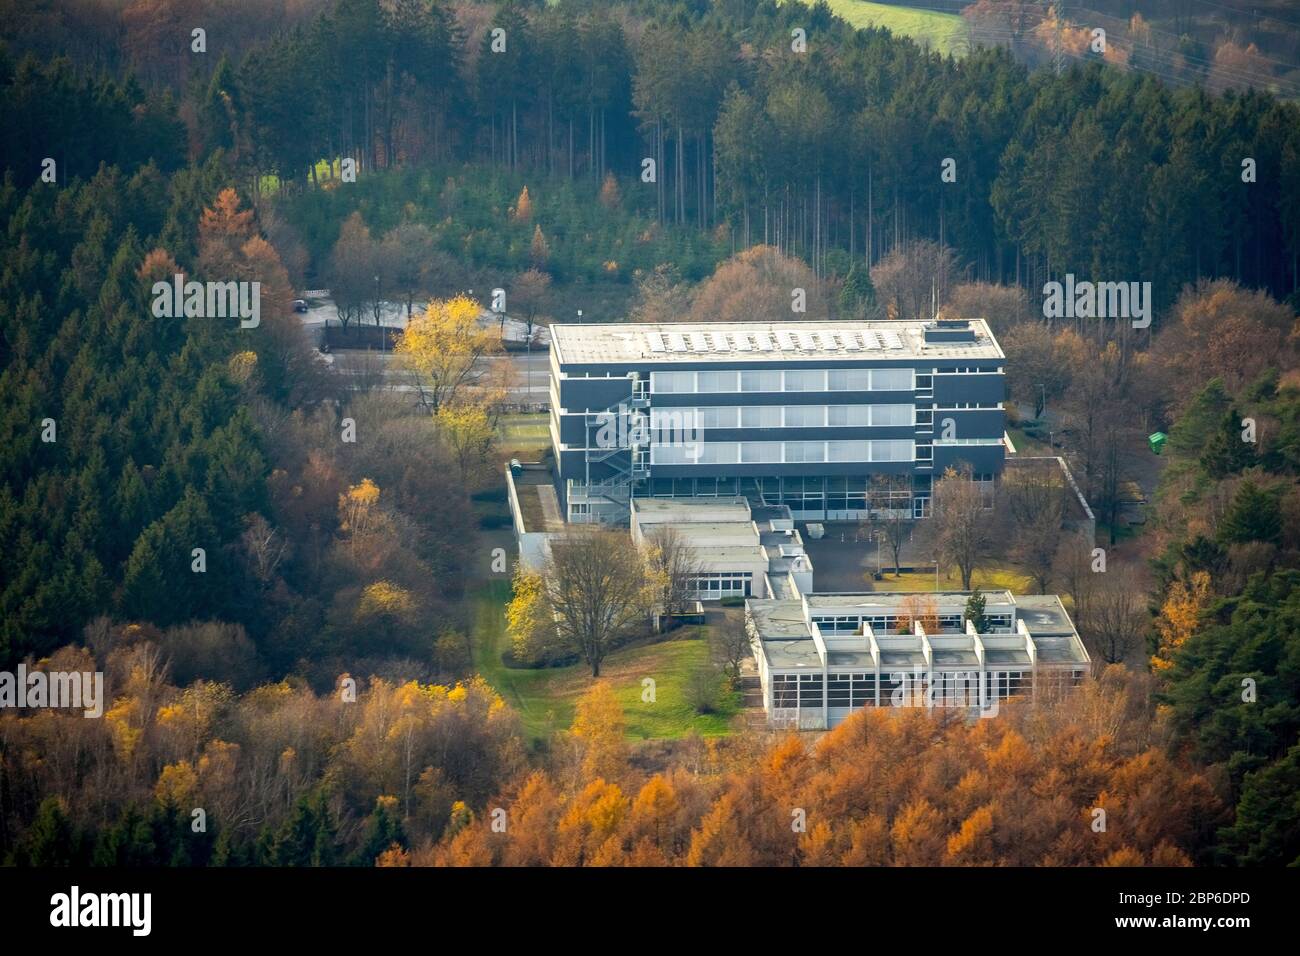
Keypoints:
(845, 558)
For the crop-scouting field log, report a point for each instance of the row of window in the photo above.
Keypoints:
(852, 623)
(720, 584)
(782, 416)
(950, 688)
(772, 486)
(791, 380)
(778, 452)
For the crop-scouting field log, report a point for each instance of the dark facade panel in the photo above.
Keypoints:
(982, 459)
(572, 429)
(586, 394)
(954, 389)
(972, 423)
(573, 464)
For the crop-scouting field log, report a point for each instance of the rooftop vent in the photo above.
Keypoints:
(949, 330)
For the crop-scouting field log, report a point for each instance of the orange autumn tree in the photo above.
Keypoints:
(1021, 790)
(1179, 617)
(918, 609)
(223, 230)
(522, 210)
(598, 728)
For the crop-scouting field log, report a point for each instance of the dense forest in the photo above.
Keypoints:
(833, 154)
(339, 526)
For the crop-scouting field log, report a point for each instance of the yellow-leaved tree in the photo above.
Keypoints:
(598, 727)
(357, 510)
(469, 431)
(445, 349)
(385, 601)
(1179, 616)
(529, 620)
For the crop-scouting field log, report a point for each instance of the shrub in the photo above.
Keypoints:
(704, 689)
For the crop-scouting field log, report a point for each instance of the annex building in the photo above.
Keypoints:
(735, 551)
(797, 414)
(820, 657)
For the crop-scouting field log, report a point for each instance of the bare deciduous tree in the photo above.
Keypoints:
(909, 279)
(1033, 502)
(961, 526)
(732, 644)
(528, 296)
(890, 509)
(1000, 305)
(405, 251)
(264, 546)
(1117, 620)
(597, 586)
(1073, 568)
(1037, 367)
(673, 567)
(351, 269)
(662, 296)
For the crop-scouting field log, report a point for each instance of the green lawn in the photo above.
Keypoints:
(545, 698)
(1009, 579)
(522, 432)
(943, 32)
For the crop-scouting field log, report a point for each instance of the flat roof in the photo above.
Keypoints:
(787, 641)
(629, 343)
(867, 601)
(714, 544)
(778, 619)
(671, 510)
(711, 529)
(1043, 614)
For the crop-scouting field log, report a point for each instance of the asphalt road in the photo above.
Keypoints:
(531, 368)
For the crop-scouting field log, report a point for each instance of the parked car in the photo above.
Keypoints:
(300, 305)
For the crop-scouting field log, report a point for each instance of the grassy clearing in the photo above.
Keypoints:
(1010, 579)
(545, 698)
(522, 432)
(943, 32)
